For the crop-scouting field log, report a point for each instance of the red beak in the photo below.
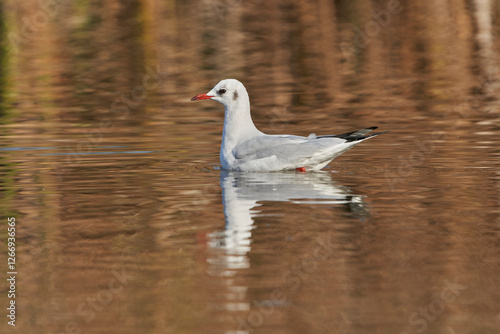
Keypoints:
(201, 97)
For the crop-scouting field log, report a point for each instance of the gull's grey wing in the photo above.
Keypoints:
(284, 147)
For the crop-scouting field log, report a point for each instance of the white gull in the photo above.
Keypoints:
(245, 148)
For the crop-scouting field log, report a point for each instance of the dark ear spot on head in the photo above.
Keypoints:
(235, 95)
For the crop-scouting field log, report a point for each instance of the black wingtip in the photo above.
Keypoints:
(350, 139)
(356, 135)
(362, 134)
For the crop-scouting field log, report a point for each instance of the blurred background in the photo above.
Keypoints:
(113, 174)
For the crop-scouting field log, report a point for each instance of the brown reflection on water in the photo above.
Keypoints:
(111, 172)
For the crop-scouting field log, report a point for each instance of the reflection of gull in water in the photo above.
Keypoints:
(241, 193)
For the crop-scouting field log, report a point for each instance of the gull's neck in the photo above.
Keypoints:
(238, 124)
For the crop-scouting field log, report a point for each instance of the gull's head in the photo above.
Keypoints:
(228, 92)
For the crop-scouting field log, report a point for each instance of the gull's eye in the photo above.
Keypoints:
(222, 91)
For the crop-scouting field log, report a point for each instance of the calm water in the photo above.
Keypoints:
(126, 224)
